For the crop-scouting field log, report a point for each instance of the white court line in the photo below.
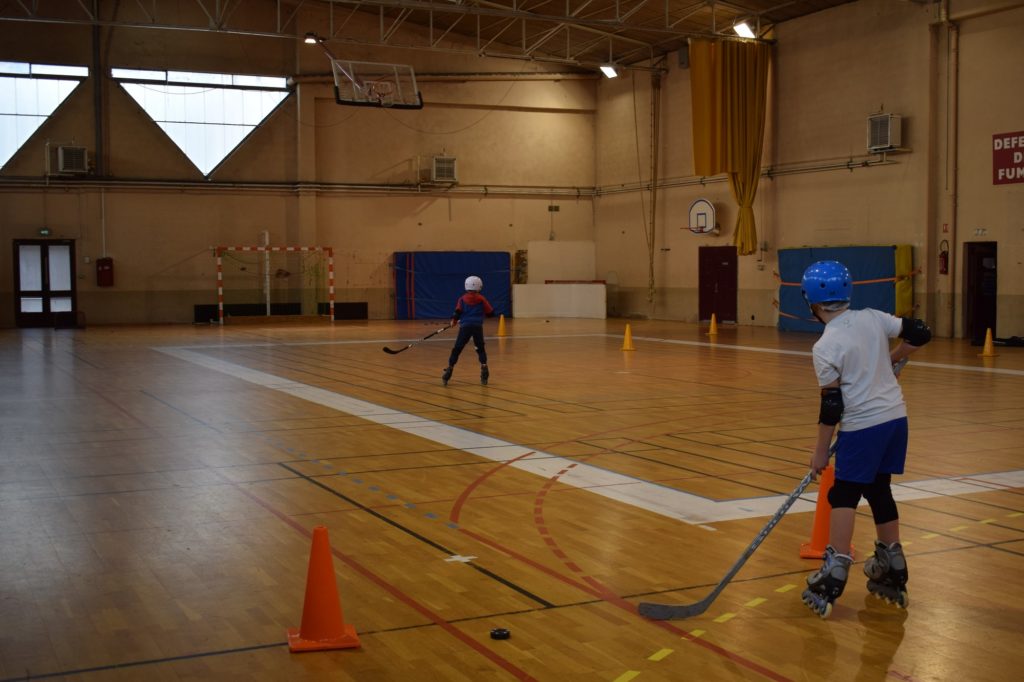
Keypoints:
(780, 351)
(659, 499)
(677, 342)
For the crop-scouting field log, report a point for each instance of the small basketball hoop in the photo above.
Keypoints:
(381, 92)
(702, 217)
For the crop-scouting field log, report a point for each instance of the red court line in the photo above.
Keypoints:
(456, 511)
(401, 596)
(592, 587)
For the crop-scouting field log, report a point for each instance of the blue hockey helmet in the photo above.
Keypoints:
(826, 281)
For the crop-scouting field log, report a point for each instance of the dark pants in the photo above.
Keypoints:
(467, 332)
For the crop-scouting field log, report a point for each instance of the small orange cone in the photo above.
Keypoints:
(713, 329)
(627, 340)
(501, 326)
(323, 626)
(815, 549)
(989, 350)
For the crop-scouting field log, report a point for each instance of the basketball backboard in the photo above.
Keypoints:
(373, 84)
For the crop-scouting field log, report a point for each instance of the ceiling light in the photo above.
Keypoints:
(311, 38)
(609, 70)
(742, 30)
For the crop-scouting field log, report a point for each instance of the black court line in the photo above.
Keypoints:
(256, 647)
(133, 664)
(180, 411)
(422, 538)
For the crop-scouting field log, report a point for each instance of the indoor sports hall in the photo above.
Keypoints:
(236, 235)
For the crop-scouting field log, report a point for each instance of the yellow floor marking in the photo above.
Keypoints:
(627, 676)
(724, 617)
(786, 588)
(958, 528)
(1014, 515)
(757, 601)
(929, 536)
(696, 633)
(658, 655)
(987, 521)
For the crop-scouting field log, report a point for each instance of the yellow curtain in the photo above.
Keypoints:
(729, 92)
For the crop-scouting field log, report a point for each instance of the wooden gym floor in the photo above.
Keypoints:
(158, 487)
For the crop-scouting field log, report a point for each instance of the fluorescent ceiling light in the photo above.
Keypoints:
(609, 70)
(742, 30)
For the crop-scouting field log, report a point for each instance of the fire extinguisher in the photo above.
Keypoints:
(944, 257)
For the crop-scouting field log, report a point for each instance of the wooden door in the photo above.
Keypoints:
(717, 273)
(979, 290)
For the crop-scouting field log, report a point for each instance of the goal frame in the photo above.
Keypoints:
(328, 251)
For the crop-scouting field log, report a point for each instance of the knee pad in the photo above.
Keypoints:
(845, 494)
(879, 496)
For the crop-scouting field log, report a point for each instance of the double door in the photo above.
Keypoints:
(44, 282)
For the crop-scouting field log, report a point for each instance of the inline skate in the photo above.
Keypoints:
(887, 574)
(826, 584)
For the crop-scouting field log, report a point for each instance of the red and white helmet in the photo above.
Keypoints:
(474, 283)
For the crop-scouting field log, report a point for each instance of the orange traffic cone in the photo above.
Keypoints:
(501, 326)
(713, 329)
(627, 340)
(989, 350)
(323, 626)
(815, 549)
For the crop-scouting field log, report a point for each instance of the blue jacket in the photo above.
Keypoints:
(471, 308)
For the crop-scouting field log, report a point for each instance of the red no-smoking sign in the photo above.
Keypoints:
(1008, 158)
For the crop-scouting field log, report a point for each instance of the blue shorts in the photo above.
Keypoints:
(862, 455)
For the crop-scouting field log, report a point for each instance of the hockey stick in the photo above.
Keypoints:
(390, 351)
(673, 611)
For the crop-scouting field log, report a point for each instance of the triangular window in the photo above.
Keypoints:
(29, 93)
(206, 114)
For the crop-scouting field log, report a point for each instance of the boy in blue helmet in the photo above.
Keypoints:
(857, 372)
(470, 311)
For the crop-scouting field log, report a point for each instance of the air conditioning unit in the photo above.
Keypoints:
(72, 159)
(442, 170)
(883, 132)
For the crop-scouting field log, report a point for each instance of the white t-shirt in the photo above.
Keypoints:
(854, 348)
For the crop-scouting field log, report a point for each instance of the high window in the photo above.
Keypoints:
(206, 114)
(29, 94)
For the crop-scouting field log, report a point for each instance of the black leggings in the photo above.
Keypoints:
(467, 332)
(878, 493)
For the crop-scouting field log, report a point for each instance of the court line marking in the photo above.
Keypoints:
(653, 497)
(782, 351)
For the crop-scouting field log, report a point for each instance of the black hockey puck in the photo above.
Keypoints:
(500, 633)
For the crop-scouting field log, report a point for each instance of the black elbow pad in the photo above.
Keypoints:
(831, 406)
(915, 332)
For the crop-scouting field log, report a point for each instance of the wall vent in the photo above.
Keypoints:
(443, 169)
(72, 159)
(884, 132)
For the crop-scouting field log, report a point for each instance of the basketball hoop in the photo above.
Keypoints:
(381, 92)
(374, 84)
(702, 217)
